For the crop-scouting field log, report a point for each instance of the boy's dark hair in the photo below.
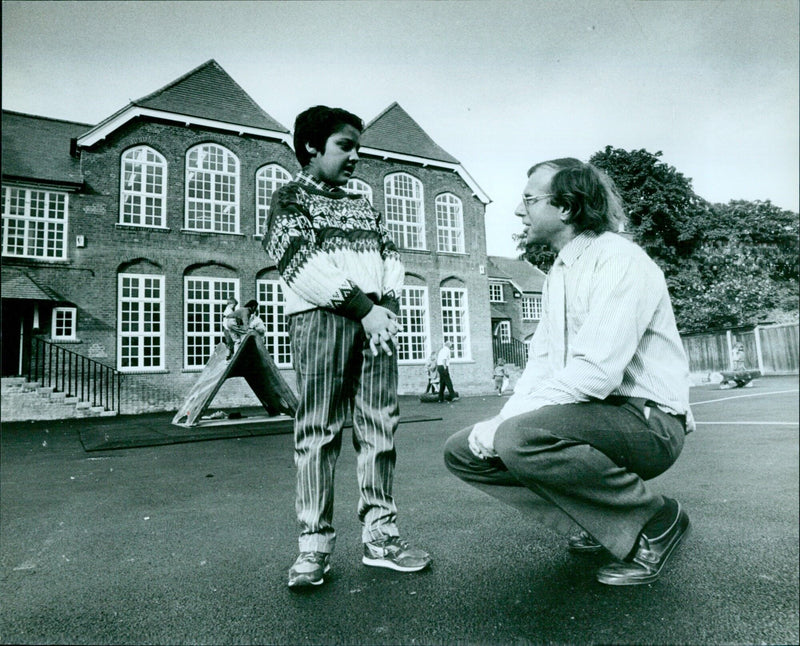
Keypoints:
(586, 193)
(251, 305)
(315, 125)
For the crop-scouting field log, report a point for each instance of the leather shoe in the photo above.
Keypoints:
(651, 556)
(583, 543)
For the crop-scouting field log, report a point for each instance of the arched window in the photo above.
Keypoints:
(449, 223)
(269, 179)
(455, 320)
(273, 305)
(357, 187)
(204, 299)
(143, 188)
(405, 213)
(212, 189)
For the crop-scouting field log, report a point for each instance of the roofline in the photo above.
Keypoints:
(30, 115)
(28, 182)
(132, 111)
(425, 161)
(511, 282)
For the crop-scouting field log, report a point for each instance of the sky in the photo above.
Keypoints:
(498, 84)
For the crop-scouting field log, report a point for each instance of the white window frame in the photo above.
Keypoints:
(496, 293)
(66, 319)
(209, 307)
(414, 338)
(209, 209)
(273, 303)
(141, 305)
(531, 308)
(503, 331)
(405, 210)
(139, 180)
(35, 223)
(449, 223)
(269, 179)
(455, 321)
(357, 186)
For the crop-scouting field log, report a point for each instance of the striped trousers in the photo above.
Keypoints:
(337, 375)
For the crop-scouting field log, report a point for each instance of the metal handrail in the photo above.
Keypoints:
(513, 351)
(74, 374)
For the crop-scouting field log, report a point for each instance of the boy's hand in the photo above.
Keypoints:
(381, 326)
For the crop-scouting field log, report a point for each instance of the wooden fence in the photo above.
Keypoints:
(770, 349)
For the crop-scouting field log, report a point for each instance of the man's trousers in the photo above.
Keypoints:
(337, 374)
(445, 382)
(578, 463)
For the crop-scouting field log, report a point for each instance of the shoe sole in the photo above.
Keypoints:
(391, 565)
(585, 550)
(302, 581)
(621, 581)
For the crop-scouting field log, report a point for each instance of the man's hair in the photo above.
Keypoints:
(586, 193)
(315, 125)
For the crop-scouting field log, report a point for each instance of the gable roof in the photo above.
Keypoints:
(520, 273)
(209, 92)
(393, 134)
(393, 130)
(205, 96)
(38, 149)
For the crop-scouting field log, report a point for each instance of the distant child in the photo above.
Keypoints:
(227, 322)
(433, 374)
(500, 376)
(240, 324)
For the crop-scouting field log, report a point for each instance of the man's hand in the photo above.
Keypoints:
(481, 438)
(381, 326)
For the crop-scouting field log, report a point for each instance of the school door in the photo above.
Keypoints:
(16, 335)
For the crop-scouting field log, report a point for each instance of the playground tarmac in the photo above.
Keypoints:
(190, 542)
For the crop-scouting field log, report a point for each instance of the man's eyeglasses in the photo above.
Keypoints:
(530, 200)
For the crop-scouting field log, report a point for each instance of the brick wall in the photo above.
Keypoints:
(89, 278)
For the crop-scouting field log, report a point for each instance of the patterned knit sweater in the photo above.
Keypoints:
(332, 250)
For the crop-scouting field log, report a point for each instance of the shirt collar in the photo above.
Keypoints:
(307, 179)
(575, 247)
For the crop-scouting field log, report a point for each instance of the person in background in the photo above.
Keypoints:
(433, 374)
(240, 324)
(342, 278)
(741, 377)
(443, 367)
(603, 403)
(227, 322)
(500, 376)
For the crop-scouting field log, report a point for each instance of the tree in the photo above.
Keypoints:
(744, 271)
(663, 210)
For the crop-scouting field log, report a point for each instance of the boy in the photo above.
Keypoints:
(342, 278)
(227, 323)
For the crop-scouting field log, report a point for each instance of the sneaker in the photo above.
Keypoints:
(456, 398)
(309, 569)
(396, 554)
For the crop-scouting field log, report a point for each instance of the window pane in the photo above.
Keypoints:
(140, 332)
(212, 189)
(34, 223)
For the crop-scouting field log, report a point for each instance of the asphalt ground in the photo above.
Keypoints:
(190, 543)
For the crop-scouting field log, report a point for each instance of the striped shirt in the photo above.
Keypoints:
(619, 334)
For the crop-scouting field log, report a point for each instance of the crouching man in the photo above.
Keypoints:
(602, 405)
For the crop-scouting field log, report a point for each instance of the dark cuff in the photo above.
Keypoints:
(390, 303)
(356, 307)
